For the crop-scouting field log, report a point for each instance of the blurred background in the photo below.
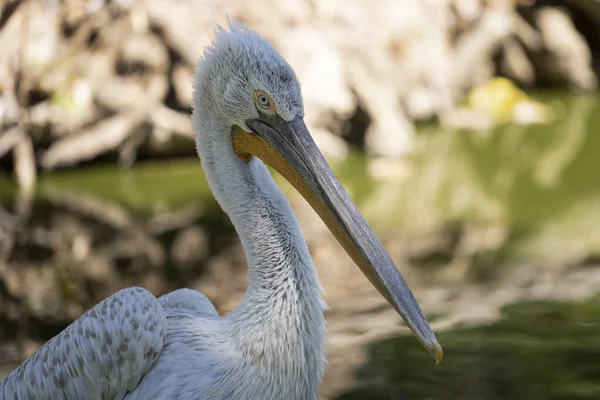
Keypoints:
(467, 132)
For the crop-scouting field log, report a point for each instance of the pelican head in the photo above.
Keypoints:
(246, 88)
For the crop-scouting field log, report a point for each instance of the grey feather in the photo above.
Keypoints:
(101, 355)
(190, 301)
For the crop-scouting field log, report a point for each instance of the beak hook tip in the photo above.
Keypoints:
(438, 352)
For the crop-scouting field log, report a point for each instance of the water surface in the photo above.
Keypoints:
(537, 351)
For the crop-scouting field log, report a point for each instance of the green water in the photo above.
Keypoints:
(537, 351)
(143, 189)
(524, 175)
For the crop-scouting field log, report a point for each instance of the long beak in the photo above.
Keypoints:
(288, 147)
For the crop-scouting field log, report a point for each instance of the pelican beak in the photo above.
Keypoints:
(288, 147)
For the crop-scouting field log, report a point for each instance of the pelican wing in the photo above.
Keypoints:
(102, 355)
(188, 301)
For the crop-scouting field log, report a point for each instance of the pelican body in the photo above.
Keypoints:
(248, 111)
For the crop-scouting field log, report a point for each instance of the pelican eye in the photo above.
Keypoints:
(263, 101)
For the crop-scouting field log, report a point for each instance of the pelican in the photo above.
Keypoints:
(248, 113)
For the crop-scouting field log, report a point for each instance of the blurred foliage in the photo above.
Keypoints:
(536, 351)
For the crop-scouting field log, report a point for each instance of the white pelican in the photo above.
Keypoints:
(247, 110)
